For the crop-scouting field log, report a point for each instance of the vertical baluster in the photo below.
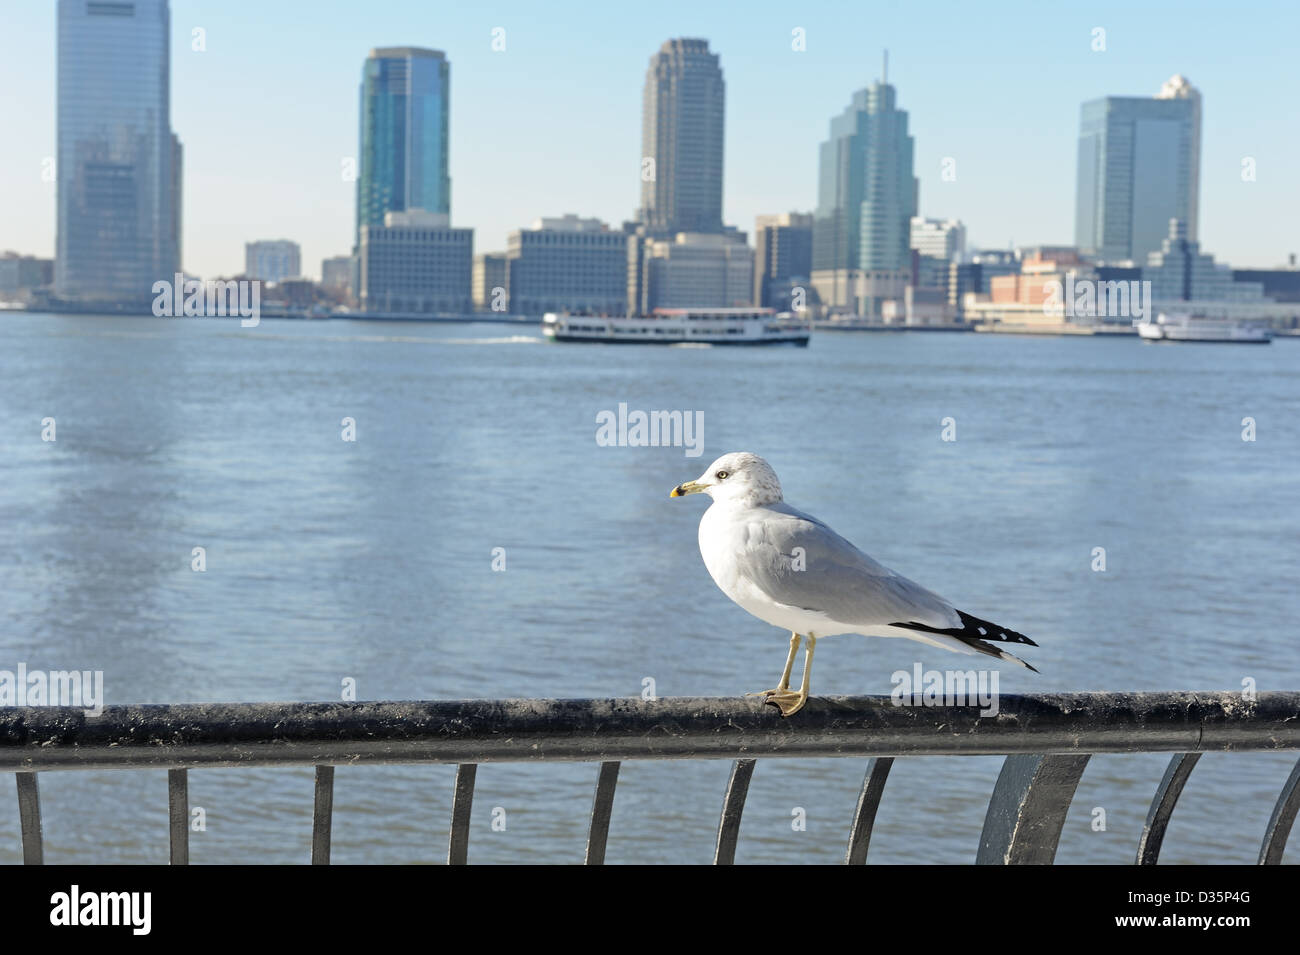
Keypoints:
(733, 804)
(322, 816)
(29, 818)
(1279, 823)
(462, 803)
(602, 807)
(1162, 806)
(1028, 808)
(864, 817)
(178, 816)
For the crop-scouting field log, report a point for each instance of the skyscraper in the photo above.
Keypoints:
(118, 162)
(405, 104)
(683, 110)
(866, 199)
(1139, 167)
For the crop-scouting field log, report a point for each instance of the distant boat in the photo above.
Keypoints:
(1196, 328)
(676, 326)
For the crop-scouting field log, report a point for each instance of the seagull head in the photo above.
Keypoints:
(736, 478)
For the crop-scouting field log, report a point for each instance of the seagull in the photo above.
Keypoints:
(791, 570)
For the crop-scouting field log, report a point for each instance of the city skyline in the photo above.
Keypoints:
(1004, 190)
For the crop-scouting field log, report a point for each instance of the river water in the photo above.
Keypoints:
(372, 560)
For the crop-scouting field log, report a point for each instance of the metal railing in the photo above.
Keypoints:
(1047, 740)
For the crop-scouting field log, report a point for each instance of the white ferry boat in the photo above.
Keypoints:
(677, 326)
(1195, 328)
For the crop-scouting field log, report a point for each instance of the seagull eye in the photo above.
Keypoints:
(722, 475)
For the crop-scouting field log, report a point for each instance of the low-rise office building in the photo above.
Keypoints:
(567, 264)
(417, 263)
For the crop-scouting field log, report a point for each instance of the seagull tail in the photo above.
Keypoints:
(974, 633)
(1001, 654)
(979, 646)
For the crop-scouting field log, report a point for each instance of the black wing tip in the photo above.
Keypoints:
(974, 641)
(987, 630)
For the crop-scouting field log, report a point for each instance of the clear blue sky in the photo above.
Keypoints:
(552, 124)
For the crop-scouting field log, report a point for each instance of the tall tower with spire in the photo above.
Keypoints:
(866, 198)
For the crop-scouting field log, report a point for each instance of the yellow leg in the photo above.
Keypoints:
(786, 699)
(785, 676)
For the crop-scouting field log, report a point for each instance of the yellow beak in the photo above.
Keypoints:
(690, 487)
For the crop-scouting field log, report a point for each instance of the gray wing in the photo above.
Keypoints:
(837, 578)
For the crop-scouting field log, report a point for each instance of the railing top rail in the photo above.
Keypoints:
(474, 731)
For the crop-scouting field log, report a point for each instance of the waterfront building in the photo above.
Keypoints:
(929, 272)
(919, 307)
(939, 238)
(974, 275)
(1040, 268)
(1281, 285)
(336, 274)
(936, 244)
(782, 258)
(694, 270)
(1139, 166)
(417, 263)
(272, 260)
(298, 294)
(118, 163)
(567, 264)
(20, 275)
(488, 283)
(1181, 272)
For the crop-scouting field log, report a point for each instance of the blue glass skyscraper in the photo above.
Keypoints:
(1139, 167)
(866, 193)
(405, 105)
(866, 198)
(118, 162)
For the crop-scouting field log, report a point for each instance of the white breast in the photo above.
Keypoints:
(722, 537)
